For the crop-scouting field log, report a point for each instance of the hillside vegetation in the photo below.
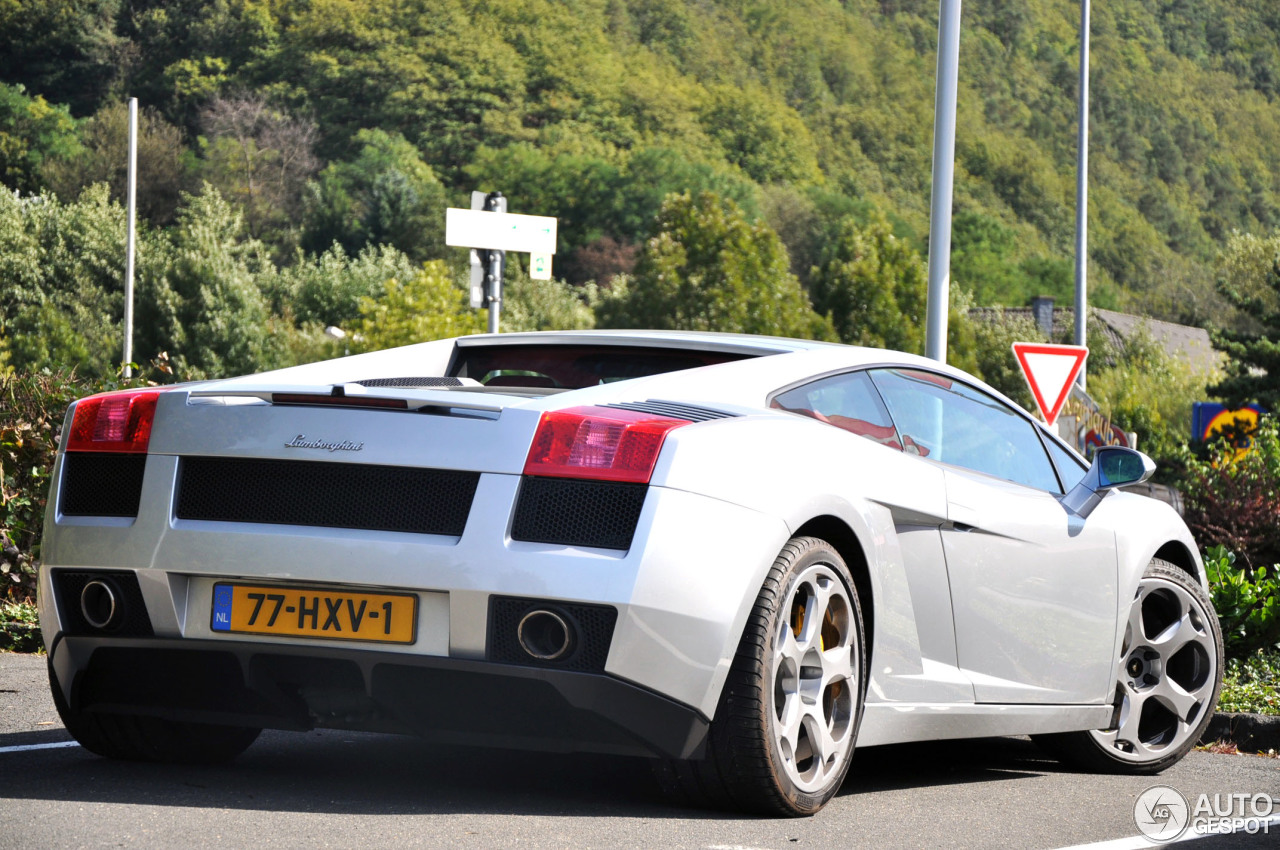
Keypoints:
(297, 156)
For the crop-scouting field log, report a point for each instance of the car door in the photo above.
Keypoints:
(915, 648)
(1033, 587)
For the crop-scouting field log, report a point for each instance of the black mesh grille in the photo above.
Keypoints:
(592, 627)
(411, 383)
(101, 484)
(332, 495)
(132, 619)
(577, 513)
(674, 409)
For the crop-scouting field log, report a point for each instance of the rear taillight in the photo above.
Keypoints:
(601, 443)
(113, 422)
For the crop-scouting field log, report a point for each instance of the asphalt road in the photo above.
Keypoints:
(341, 789)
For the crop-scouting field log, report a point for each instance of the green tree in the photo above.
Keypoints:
(545, 305)
(430, 305)
(1149, 392)
(34, 135)
(261, 158)
(873, 286)
(62, 49)
(708, 268)
(327, 289)
(63, 265)
(1249, 278)
(164, 163)
(386, 195)
(762, 136)
(206, 308)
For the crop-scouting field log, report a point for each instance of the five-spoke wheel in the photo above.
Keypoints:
(815, 659)
(1168, 674)
(784, 730)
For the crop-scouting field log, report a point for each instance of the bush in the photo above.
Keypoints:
(32, 407)
(1252, 684)
(1234, 501)
(19, 627)
(1247, 602)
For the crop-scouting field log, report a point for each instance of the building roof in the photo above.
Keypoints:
(1182, 342)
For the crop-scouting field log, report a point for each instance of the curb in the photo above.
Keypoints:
(1249, 732)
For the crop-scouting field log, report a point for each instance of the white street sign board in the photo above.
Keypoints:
(477, 281)
(540, 266)
(1050, 370)
(527, 234)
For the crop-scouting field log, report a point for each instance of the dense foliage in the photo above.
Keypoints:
(1249, 278)
(1252, 684)
(356, 121)
(1247, 602)
(31, 412)
(1233, 498)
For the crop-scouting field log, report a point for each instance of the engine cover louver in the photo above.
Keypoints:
(674, 409)
(333, 495)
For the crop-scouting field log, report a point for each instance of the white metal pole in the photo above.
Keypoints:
(128, 261)
(1082, 190)
(944, 154)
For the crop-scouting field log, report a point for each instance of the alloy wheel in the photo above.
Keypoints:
(815, 686)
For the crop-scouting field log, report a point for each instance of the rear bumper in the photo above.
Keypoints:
(444, 699)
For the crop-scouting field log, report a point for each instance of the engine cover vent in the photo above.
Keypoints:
(674, 409)
(331, 495)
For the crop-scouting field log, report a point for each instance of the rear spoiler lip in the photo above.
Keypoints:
(414, 399)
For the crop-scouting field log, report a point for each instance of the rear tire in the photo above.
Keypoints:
(784, 730)
(135, 738)
(1168, 676)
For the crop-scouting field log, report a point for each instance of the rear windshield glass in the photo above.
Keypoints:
(575, 366)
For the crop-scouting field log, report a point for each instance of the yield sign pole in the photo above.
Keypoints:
(1050, 371)
(944, 155)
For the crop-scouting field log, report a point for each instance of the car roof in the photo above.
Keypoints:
(694, 340)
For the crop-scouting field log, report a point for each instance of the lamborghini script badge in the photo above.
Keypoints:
(302, 441)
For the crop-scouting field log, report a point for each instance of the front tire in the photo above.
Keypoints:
(785, 727)
(1168, 676)
(136, 738)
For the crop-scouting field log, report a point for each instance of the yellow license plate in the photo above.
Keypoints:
(315, 613)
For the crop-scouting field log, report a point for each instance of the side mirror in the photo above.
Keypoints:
(1113, 466)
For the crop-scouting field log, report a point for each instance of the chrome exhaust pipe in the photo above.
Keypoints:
(99, 604)
(545, 635)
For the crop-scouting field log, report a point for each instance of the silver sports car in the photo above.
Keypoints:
(741, 556)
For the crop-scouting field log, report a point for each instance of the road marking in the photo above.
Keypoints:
(1137, 842)
(26, 747)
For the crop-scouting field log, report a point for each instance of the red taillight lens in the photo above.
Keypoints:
(598, 442)
(113, 422)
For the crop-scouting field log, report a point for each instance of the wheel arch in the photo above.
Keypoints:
(838, 533)
(1176, 553)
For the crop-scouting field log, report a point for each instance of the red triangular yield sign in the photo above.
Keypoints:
(1050, 371)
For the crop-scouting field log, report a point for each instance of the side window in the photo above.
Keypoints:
(954, 423)
(846, 401)
(1070, 467)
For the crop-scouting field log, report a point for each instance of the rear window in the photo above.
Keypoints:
(573, 367)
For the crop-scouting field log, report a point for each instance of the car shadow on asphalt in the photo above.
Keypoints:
(356, 773)
(934, 763)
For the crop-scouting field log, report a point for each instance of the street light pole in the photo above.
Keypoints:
(1082, 189)
(944, 154)
(129, 246)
